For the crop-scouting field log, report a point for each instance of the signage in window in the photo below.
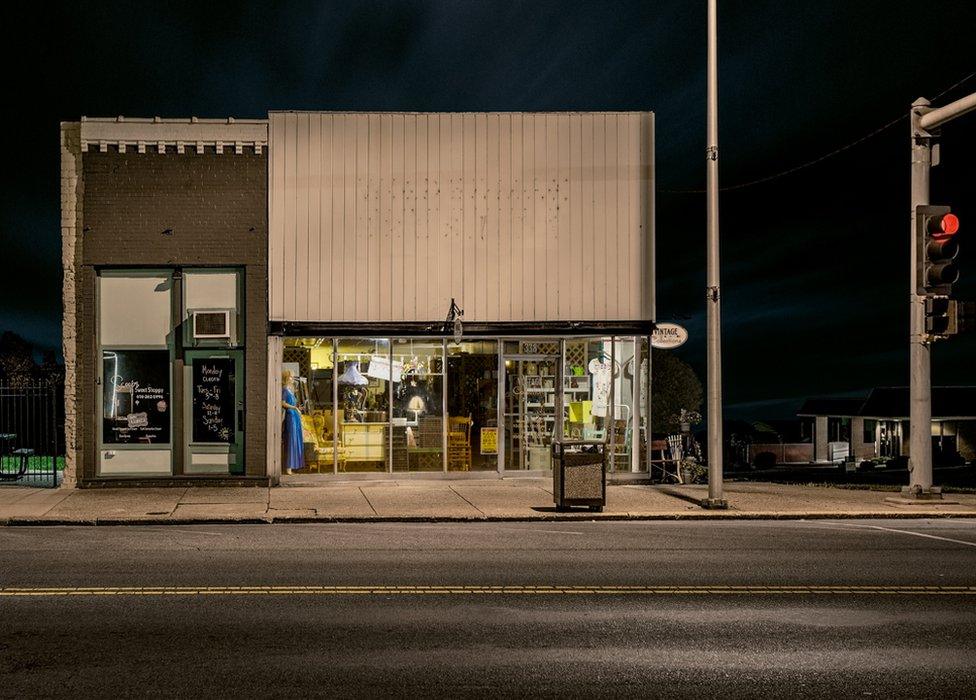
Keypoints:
(489, 441)
(136, 397)
(213, 400)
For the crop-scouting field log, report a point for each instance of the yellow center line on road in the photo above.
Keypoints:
(706, 590)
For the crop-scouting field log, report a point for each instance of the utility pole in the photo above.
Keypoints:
(924, 120)
(713, 331)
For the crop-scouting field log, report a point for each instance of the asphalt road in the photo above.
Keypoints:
(633, 609)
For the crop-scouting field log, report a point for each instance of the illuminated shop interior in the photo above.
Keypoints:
(401, 405)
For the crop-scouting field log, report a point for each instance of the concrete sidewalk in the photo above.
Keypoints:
(469, 500)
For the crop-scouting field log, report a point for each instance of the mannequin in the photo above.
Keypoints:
(293, 457)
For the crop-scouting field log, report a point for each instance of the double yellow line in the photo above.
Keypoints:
(481, 590)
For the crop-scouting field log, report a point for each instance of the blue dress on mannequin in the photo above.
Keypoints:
(291, 432)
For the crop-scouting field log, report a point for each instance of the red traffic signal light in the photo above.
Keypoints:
(942, 226)
(936, 251)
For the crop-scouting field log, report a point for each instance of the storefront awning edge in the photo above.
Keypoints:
(437, 328)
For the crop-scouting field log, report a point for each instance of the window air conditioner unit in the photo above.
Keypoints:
(211, 324)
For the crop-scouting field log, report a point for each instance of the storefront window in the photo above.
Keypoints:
(625, 384)
(644, 397)
(308, 443)
(418, 399)
(136, 400)
(426, 405)
(472, 439)
(531, 376)
(363, 374)
(135, 333)
(586, 389)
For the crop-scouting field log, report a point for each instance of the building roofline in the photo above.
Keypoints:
(171, 120)
(169, 135)
(472, 111)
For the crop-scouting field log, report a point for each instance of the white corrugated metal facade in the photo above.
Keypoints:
(518, 216)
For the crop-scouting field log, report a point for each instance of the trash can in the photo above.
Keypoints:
(579, 474)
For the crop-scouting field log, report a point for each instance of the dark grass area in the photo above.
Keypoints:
(42, 470)
(957, 478)
(35, 463)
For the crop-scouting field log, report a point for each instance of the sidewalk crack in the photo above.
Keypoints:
(467, 501)
(179, 501)
(55, 505)
(367, 501)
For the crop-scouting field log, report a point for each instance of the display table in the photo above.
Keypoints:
(364, 442)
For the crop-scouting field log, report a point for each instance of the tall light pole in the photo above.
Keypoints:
(713, 332)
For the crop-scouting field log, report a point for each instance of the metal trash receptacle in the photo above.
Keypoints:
(579, 474)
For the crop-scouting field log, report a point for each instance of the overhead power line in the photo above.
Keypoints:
(820, 159)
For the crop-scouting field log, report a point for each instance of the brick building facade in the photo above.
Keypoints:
(164, 196)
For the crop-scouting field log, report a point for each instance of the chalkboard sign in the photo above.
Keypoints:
(213, 399)
(135, 397)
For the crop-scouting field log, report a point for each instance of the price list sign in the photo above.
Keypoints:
(213, 400)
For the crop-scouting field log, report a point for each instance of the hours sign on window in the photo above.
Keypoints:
(213, 400)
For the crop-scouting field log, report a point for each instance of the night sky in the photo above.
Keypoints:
(815, 263)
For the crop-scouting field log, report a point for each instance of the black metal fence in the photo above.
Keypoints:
(31, 435)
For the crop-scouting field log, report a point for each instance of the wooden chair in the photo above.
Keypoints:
(459, 443)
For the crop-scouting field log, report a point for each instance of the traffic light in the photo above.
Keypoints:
(945, 317)
(938, 311)
(935, 269)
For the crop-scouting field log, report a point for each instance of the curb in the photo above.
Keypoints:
(21, 521)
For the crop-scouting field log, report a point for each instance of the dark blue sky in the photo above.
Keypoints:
(815, 264)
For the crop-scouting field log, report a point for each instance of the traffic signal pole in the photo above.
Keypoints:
(923, 120)
(919, 349)
(713, 333)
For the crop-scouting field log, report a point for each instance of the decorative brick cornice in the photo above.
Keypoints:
(161, 135)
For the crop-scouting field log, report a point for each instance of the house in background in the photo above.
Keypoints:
(877, 427)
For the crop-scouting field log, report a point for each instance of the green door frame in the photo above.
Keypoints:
(235, 449)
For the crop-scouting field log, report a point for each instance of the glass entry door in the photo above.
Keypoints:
(214, 424)
(532, 402)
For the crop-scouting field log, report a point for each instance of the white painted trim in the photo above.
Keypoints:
(160, 133)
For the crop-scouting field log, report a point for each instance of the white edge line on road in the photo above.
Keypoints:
(907, 532)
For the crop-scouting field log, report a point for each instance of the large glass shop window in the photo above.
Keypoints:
(472, 405)
(418, 398)
(643, 398)
(625, 382)
(363, 376)
(425, 405)
(531, 376)
(135, 372)
(605, 396)
(308, 429)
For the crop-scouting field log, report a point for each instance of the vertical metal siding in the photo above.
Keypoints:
(518, 216)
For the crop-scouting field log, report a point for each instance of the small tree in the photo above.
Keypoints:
(674, 387)
(16, 360)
